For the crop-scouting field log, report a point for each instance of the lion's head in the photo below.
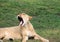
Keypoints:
(23, 18)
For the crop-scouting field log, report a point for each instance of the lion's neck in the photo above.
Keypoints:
(27, 25)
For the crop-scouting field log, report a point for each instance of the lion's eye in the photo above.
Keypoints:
(23, 14)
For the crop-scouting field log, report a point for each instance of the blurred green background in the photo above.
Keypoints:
(45, 13)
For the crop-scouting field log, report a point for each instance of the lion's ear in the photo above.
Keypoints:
(30, 17)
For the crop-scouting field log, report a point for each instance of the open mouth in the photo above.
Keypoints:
(21, 20)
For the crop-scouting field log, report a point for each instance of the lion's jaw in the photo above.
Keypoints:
(23, 21)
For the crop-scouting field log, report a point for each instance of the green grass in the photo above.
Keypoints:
(46, 16)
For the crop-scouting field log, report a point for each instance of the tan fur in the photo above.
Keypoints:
(10, 32)
(23, 31)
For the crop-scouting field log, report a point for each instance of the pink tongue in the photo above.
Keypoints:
(21, 23)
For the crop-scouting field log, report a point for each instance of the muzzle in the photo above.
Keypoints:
(20, 20)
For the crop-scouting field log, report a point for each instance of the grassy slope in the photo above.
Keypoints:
(46, 16)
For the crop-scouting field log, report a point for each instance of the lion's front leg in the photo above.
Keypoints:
(24, 38)
(40, 38)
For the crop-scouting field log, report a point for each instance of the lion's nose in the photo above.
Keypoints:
(19, 15)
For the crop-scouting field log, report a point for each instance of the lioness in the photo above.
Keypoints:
(24, 31)
(27, 29)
